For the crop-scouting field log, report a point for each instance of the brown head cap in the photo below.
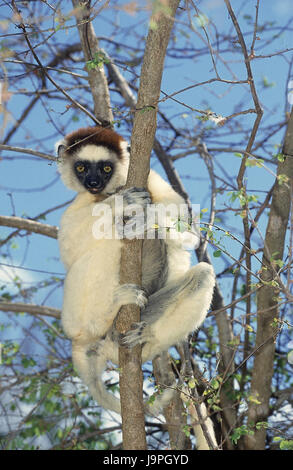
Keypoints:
(96, 136)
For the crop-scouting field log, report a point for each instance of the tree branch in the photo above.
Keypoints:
(29, 225)
(97, 77)
(30, 308)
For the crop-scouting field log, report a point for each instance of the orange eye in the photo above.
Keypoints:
(107, 169)
(80, 168)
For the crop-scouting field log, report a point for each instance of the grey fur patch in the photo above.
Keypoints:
(136, 196)
(154, 265)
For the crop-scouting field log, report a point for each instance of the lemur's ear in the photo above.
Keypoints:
(60, 150)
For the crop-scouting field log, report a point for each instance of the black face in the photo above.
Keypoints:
(94, 176)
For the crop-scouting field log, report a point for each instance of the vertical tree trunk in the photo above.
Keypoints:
(144, 128)
(266, 304)
(174, 414)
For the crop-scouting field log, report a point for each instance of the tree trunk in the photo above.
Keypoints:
(164, 374)
(144, 128)
(266, 300)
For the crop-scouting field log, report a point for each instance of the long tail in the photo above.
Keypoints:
(90, 368)
(202, 443)
(201, 440)
(90, 365)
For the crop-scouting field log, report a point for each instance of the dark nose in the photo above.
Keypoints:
(93, 183)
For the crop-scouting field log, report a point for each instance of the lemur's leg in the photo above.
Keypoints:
(173, 311)
(90, 353)
(129, 294)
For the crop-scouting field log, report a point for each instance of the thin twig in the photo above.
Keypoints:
(10, 148)
(59, 88)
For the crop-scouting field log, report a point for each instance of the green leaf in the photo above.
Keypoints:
(186, 430)
(147, 108)
(28, 362)
(248, 328)
(286, 445)
(192, 383)
(266, 83)
(282, 179)
(214, 383)
(250, 162)
(217, 253)
(253, 399)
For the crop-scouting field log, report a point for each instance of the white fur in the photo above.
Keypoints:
(83, 254)
(94, 153)
(92, 292)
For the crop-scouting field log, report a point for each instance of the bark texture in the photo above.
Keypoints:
(266, 300)
(142, 140)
